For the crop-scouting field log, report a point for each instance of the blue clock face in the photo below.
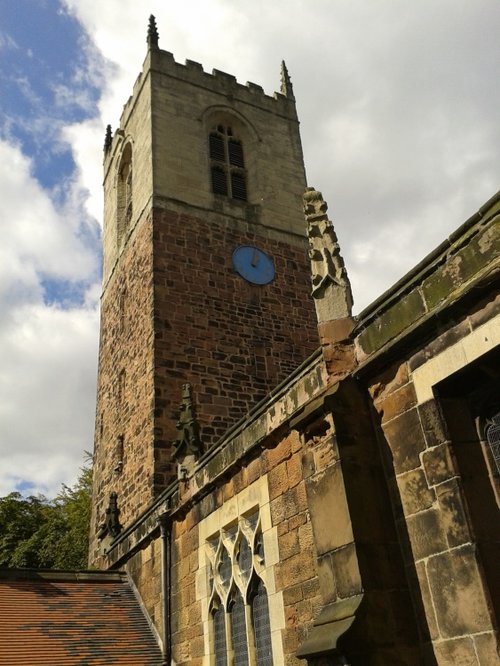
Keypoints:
(253, 265)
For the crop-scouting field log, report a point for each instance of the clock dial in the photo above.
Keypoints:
(253, 265)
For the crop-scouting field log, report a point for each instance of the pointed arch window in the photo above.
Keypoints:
(261, 625)
(219, 626)
(239, 607)
(227, 163)
(492, 432)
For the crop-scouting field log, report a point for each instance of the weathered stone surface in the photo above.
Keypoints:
(406, 441)
(335, 330)
(487, 649)
(457, 589)
(438, 464)
(415, 493)
(389, 380)
(444, 340)
(429, 619)
(426, 533)
(339, 358)
(433, 423)
(399, 315)
(457, 652)
(454, 514)
(396, 403)
(329, 511)
(485, 313)
(344, 562)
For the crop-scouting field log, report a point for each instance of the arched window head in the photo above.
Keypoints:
(492, 432)
(124, 192)
(227, 164)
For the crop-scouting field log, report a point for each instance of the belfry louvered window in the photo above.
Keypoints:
(239, 608)
(227, 164)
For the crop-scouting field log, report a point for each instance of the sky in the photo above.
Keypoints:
(398, 102)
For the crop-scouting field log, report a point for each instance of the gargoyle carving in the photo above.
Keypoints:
(188, 441)
(111, 525)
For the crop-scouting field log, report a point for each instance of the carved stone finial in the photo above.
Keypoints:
(152, 33)
(286, 83)
(331, 289)
(111, 525)
(108, 138)
(188, 442)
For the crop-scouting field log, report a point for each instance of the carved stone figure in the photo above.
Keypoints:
(330, 285)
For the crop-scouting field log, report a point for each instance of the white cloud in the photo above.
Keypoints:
(48, 353)
(398, 107)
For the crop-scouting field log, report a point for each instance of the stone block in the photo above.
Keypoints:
(426, 533)
(389, 380)
(401, 314)
(433, 423)
(292, 594)
(288, 545)
(282, 451)
(327, 579)
(335, 330)
(454, 515)
(328, 509)
(396, 403)
(429, 616)
(405, 437)
(340, 358)
(438, 464)
(345, 565)
(458, 652)
(294, 470)
(415, 494)
(278, 480)
(457, 590)
(487, 649)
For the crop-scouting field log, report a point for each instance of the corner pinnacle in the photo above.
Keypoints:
(108, 137)
(286, 83)
(152, 33)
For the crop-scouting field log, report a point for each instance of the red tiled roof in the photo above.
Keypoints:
(72, 618)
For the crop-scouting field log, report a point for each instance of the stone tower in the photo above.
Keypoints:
(206, 278)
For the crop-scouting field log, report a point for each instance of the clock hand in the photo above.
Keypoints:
(255, 258)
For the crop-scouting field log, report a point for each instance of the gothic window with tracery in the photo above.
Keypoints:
(492, 432)
(239, 607)
(227, 164)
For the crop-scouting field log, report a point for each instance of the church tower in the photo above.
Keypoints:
(206, 277)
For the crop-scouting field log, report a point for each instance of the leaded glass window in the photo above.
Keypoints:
(241, 633)
(220, 644)
(227, 163)
(493, 437)
(262, 627)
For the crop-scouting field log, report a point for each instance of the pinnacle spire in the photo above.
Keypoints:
(152, 33)
(286, 83)
(108, 137)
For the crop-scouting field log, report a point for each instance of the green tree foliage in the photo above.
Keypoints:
(47, 534)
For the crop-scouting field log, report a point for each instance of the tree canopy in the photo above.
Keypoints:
(36, 532)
